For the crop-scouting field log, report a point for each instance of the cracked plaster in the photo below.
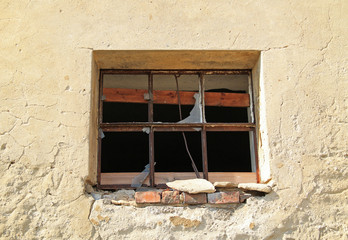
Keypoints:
(45, 66)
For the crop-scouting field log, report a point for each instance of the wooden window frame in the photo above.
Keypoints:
(112, 180)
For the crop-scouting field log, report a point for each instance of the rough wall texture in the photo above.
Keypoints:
(45, 85)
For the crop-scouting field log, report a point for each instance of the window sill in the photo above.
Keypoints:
(123, 180)
(223, 197)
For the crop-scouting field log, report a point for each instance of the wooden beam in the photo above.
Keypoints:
(164, 177)
(227, 99)
(176, 59)
(175, 127)
(180, 72)
(125, 95)
(170, 97)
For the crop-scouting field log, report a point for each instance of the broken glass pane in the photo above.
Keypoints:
(226, 98)
(166, 108)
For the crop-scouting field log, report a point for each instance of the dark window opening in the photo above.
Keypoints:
(170, 152)
(225, 114)
(229, 151)
(170, 113)
(124, 152)
(221, 114)
(141, 127)
(124, 112)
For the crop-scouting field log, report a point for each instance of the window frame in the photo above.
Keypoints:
(175, 127)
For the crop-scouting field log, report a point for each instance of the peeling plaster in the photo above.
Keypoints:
(45, 124)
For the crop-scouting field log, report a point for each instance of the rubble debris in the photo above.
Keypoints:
(244, 196)
(96, 196)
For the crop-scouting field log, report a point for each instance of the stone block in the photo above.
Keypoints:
(255, 187)
(200, 198)
(193, 186)
(148, 197)
(124, 194)
(171, 197)
(223, 197)
(225, 184)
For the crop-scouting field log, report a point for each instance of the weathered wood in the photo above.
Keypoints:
(164, 177)
(170, 97)
(125, 95)
(226, 99)
(178, 72)
(151, 134)
(167, 127)
(175, 59)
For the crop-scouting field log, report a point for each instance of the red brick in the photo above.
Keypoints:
(223, 197)
(200, 198)
(148, 197)
(171, 197)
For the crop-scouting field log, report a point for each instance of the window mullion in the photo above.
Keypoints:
(204, 153)
(151, 134)
(256, 160)
(100, 120)
(204, 132)
(252, 135)
(201, 91)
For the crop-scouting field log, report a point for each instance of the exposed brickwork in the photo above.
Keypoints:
(171, 197)
(148, 197)
(168, 197)
(223, 197)
(200, 198)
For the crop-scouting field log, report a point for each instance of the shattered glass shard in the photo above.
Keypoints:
(196, 115)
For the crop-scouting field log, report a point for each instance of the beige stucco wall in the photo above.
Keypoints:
(45, 90)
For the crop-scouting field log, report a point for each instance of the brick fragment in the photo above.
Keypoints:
(171, 197)
(223, 197)
(200, 198)
(148, 197)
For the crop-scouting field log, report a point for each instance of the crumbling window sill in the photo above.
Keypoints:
(223, 197)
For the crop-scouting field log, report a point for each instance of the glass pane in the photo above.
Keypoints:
(124, 152)
(171, 154)
(228, 152)
(125, 98)
(226, 98)
(166, 108)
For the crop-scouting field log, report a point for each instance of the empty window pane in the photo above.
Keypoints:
(124, 152)
(171, 154)
(228, 152)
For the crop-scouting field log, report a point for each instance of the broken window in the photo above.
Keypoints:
(159, 126)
